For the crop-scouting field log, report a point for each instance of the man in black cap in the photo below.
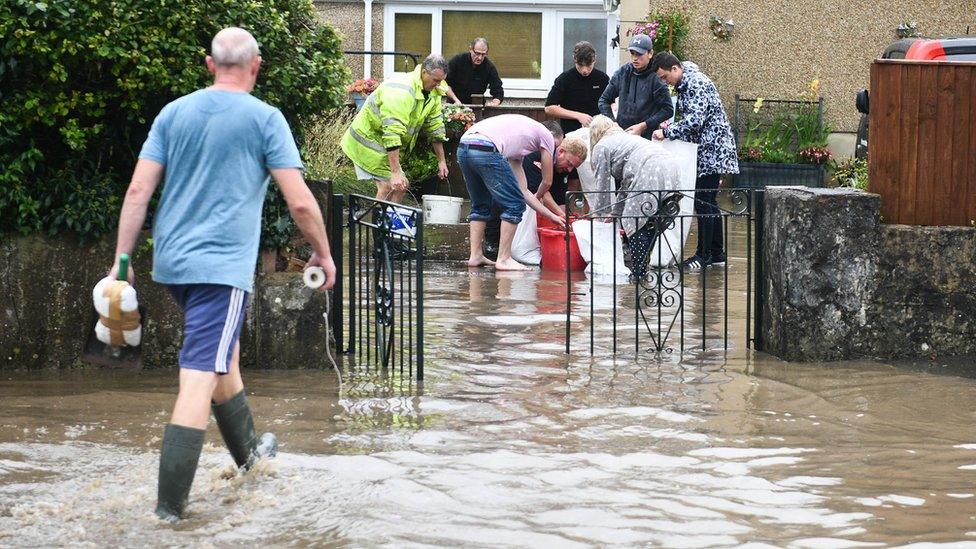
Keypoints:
(643, 101)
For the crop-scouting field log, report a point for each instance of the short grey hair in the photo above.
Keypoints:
(434, 62)
(554, 128)
(233, 46)
(480, 40)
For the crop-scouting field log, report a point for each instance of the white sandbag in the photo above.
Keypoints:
(670, 245)
(525, 245)
(608, 248)
(128, 306)
(585, 170)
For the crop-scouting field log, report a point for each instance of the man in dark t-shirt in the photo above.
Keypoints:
(575, 95)
(471, 72)
(533, 177)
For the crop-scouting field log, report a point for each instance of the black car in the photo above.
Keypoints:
(961, 48)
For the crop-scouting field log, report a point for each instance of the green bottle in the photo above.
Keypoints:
(123, 267)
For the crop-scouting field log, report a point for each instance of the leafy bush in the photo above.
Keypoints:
(785, 131)
(851, 172)
(667, 27)
(81, 80)
(323, 154)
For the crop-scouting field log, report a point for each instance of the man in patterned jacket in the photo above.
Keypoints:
(702, 121)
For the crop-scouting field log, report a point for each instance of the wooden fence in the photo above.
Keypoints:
(922, 141)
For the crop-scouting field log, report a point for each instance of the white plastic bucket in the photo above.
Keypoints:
(445, 210)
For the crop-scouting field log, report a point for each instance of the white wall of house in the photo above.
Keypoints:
(552, 24)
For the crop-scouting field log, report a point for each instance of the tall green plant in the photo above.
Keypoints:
(80, 81)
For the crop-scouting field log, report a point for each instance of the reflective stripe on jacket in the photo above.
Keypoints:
(393, 116)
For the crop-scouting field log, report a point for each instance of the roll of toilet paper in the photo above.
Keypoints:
(314, 277)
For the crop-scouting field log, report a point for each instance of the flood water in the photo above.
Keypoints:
(510, 441)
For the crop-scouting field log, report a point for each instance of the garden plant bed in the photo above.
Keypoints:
(758, 175)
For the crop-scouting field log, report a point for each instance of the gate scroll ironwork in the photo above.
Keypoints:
(380, 301)
(668, 301)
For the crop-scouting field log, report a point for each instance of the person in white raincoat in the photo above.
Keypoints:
(625, 162)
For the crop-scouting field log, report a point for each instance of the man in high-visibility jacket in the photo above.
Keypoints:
(391, 120)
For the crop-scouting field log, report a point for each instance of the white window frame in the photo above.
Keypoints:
(553, 12)
(603, 61)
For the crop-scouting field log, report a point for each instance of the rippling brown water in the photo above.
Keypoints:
(512, 442)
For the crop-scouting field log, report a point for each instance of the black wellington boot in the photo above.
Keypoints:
(236, 425)
(177, 466)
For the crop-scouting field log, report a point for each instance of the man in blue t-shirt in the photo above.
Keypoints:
(215, 149)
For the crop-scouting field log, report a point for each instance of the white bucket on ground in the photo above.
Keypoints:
(445, 210)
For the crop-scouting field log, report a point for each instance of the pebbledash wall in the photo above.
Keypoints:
(777, 48)
(840, 284)
(46, 310)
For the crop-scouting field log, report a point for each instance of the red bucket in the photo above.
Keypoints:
(553, 245)
(543, 222)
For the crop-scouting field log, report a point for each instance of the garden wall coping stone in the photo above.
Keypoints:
(840, 285)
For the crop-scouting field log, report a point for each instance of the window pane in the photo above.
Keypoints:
(514, 39)
(593, 31)
(412, 34)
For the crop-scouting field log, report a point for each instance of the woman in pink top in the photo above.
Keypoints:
(490, 154)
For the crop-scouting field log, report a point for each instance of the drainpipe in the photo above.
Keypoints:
(368, 39)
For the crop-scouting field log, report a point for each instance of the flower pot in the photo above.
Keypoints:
(359, 99)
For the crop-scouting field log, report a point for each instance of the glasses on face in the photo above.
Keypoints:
(477, 53)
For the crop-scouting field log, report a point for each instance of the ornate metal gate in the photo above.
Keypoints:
(380, 299)
(667, 308)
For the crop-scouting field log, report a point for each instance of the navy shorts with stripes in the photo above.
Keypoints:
(212, 318)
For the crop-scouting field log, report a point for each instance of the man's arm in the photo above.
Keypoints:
(145, 179)
(450, 93)
(662, 108)
(395, 112)
(530, 198)
(441, 159)
(495, 83)
(308, 217)
(693, 120)
(545, 160)
(398, 179)
(608, 96)
(558, 111)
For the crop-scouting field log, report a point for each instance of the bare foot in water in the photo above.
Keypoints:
(511, 265)
(480, 261)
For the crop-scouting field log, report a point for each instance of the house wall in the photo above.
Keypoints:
(346, 16)
(776, 50)
(779, 47)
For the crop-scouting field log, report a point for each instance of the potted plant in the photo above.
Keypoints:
(360, 88)
(782, 142)
(457, 119)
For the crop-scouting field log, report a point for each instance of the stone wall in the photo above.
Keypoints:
(46, 312)
(841, 285)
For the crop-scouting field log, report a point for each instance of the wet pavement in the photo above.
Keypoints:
(509, 441)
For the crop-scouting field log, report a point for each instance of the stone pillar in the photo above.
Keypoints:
(286, 327)
(820, 261)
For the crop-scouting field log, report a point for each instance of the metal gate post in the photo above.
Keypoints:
(335, 243)
(760, 281)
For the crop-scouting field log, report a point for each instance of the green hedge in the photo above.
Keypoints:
(82, 80)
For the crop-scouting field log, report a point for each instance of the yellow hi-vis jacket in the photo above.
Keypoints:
(393, 116)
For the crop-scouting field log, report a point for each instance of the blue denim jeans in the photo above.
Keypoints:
(489, 177)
